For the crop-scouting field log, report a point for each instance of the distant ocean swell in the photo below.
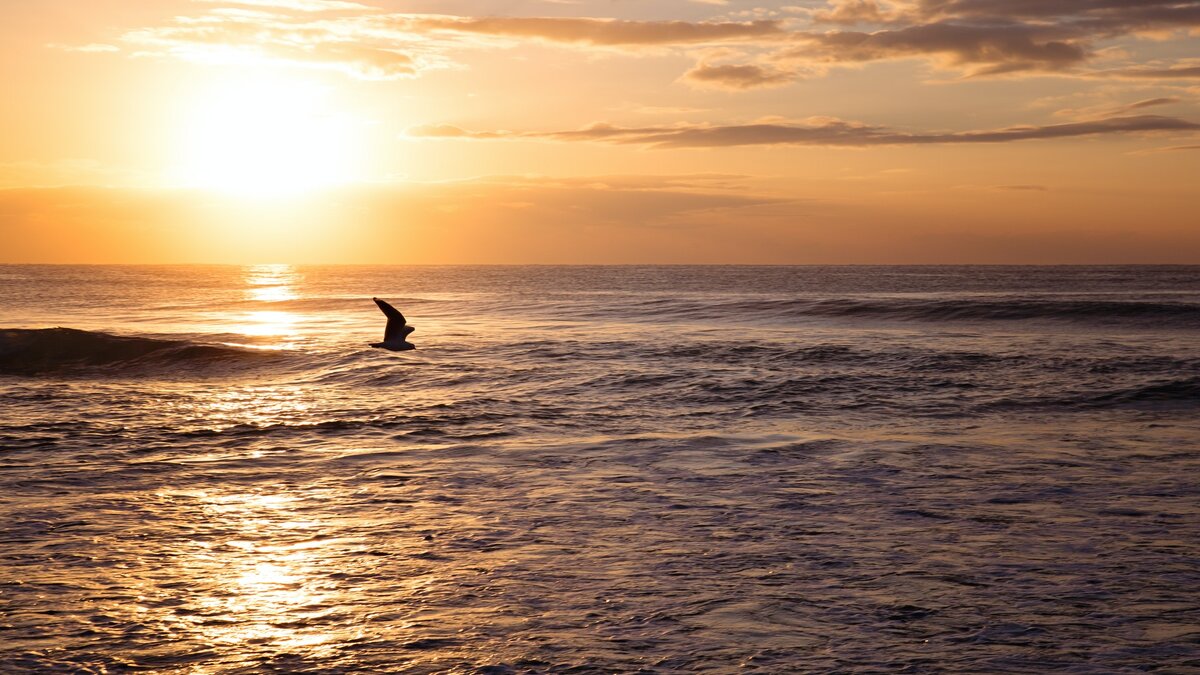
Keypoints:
(725, 311)
(1109, 312)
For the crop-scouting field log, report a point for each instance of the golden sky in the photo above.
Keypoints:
(600, 131)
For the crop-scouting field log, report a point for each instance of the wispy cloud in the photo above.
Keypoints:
(370, 44)
(94, 48)
(341, 44)
(601, 32)
(994, 49)
(737, 77)
(1169, 73)
(851, 12)
(1116, 110)
(297, 5)
(1023, 188)
(819, 132)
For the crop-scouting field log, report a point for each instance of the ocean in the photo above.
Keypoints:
(205, 469)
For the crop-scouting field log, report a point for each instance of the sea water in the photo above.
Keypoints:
(600, 469)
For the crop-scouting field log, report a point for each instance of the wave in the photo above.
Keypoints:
(1016, 309)
(63, 350)
(1179, 392)
(1157, 313)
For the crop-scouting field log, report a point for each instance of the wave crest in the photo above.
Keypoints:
(58, 350)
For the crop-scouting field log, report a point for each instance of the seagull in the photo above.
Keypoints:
(397, 329)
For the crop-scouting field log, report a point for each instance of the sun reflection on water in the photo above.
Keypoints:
(269, 324)
(272, 294)
(270, 284)
(259, 405)
(258, 581)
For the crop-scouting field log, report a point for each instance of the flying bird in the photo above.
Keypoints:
(396, 330)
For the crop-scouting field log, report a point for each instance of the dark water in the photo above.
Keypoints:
(590, 469)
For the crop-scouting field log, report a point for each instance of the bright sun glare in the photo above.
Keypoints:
(266, 136)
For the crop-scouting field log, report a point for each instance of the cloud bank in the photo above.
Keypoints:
(979, 38)
(820, 132)
(990, 37)
(593, 219)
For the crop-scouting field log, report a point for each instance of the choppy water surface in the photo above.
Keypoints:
(205, 470)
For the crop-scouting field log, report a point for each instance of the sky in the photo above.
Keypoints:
(600, 131)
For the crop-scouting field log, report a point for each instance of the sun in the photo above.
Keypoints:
(266, 136)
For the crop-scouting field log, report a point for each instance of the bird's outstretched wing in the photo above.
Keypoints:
(396, 328)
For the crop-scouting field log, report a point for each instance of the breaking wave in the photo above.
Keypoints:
(59, 350)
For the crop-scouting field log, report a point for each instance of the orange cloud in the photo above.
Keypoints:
(737, 77)
(1001, 36)
(981, 37)
(1002, 48)
(371, 45)
(494, 219)
(854, 12)
(296, 5)
(603, 32)
(1168, 73)
(597, 219)
(240, 38)
(1102, 111)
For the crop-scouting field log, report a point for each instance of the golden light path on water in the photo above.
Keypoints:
(271, 284)
(255, 576)
(256, 584)
(263, 577)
